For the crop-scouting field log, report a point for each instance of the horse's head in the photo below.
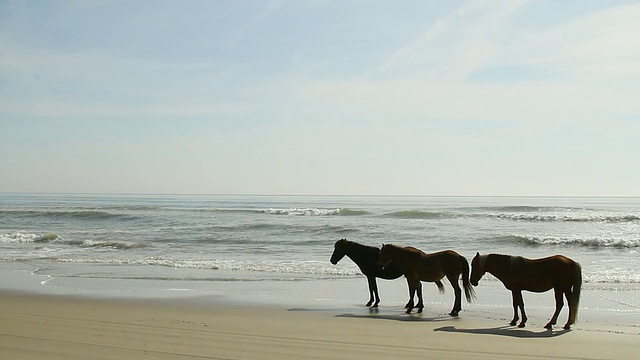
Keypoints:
(339, 251)
(384, 256)
(477, 268)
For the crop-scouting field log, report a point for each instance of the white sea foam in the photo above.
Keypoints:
(301, 211)
(260, 266)
(569, 217)
(593, 241)
(19, 237)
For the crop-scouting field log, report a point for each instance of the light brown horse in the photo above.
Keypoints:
(558, 272)
(418, 266)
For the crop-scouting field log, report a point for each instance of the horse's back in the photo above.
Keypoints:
(556, 270)
(554, 262)
(446, 257)
(441, 263)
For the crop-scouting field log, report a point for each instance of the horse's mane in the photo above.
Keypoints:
(500, 256)
(507, 256)
(513, 260)
(412, 250)
(407, 249)
(352, 244)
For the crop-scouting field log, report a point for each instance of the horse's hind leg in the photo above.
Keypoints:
(559, 305)
(373, 291)
(572, 309)
(457, 304)
(514, 298)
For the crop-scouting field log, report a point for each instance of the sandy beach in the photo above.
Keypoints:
(60, 327)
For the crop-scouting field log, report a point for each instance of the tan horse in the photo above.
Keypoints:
(418, 266)
(558, 272)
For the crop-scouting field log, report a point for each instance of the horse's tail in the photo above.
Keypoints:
(575, 293)
(469, 293)
(440, 286)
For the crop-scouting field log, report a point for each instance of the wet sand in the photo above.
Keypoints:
(34, 326)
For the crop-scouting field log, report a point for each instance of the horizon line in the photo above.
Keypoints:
(305, 195)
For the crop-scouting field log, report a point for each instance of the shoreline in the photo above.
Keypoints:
(56, 326)
(603, 307)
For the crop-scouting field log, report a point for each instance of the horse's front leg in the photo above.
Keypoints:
(409, 304)
(516, 304)
(415, 286)
(559, 305)
(373, 291)
(524, 315)
(420, 304)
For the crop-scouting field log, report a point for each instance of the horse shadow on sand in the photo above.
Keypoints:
(509, 331)
(414, 317)
(378, 314)
(506, 330)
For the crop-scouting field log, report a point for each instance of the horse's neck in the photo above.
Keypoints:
(357, 252)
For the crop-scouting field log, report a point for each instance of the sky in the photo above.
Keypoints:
(506, 98)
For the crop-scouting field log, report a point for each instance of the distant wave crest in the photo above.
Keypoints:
(78, 214)
(578, 241)
(301, 211)
(551, 217)
(416, 214)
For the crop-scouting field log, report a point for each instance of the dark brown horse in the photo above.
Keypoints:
(418, 266)
(366, 257)
(558, 272)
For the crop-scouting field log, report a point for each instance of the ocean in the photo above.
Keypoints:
(276, 249)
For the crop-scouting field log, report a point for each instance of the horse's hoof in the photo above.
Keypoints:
(374, 306)
(368, 304)
(567, 327)
(453, 313)
(521, 325)
(513, 323)
(548, 326)
(420, 311)
(408, 311)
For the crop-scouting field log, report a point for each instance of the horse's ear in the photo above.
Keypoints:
(477, 253)
(382, 244)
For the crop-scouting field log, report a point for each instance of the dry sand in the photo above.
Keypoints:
(54, 327)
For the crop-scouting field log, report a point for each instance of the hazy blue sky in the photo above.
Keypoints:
(320, 97)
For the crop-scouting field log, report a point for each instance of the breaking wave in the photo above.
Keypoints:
(116, 245)
(18, 237)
